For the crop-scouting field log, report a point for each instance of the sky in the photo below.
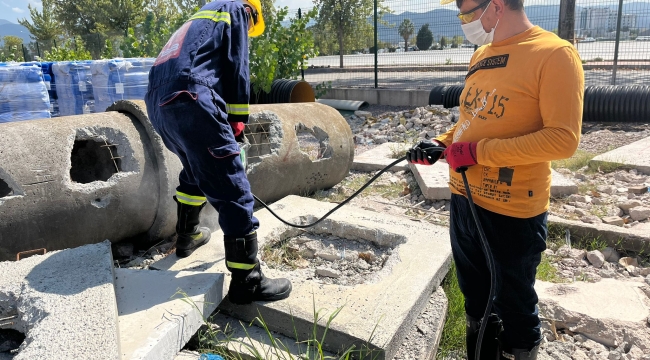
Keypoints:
(13, 10)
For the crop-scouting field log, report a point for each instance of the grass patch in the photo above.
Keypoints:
(452, 339)
(547, 272)
(607, 167)
(385, 189)
(214, 340)
(579, 160)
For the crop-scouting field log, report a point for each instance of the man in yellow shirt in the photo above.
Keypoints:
(520, 109)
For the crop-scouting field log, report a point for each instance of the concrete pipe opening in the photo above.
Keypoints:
(93, 160)
(5, 189)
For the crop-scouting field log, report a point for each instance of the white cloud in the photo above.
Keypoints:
(5, 4)
(18, 10)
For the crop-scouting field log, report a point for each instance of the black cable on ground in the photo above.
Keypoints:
(339, 205)
(486, 248)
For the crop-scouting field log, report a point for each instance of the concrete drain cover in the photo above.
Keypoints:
(329, 259)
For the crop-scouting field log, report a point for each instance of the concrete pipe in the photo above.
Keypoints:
(297, 149)
(82, 179)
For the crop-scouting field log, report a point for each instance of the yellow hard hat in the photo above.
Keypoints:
(445, 2)
(258, 20)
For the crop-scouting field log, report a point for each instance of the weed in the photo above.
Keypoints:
(606, 167)
(579, 160)
(452, 339)
(546, 271)
(398, 150)
(448, 61)
(221, 341)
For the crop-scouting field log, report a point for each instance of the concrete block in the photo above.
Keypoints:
(636, 238)
(434, 181)
(422, 340)
(390, 97)
(380, 157)
(635, 155)
(420, 258)
(562, 186)
(613, 220)
(155, 321)
(64, 302)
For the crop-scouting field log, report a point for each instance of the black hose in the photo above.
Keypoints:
(602, 103)
(486, 248)
(490, 260)
(339, 205)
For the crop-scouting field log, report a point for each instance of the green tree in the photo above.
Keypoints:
(456, 41)
(72, 49)
(12, 48)
(44, 28)
(347, 21)
(443, 42)
(405, 30)
(424, 38)
(279, 52)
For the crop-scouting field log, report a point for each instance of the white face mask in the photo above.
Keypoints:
(475, 33)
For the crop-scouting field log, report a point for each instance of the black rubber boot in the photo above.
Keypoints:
(519, 354)
(190, 235)
(490, 343)
(248, 283)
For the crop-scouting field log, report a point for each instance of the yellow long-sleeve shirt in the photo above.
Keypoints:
(522, 103)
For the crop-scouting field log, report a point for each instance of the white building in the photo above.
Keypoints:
(627, 20)
(594, 18)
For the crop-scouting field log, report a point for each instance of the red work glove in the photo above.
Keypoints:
(461, 154)
(237, 128)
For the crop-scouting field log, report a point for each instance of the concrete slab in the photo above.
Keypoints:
(433, 181)
(155, 321)
(605, 299)
(636, 238)
(421, 343)
(636, 155)
(380, 157)
(420, 259)
(611, 311)
(64, 302)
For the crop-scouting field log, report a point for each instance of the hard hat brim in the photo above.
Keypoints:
(257, 29)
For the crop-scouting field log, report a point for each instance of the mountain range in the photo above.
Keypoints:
(9, 28)
(443, 22)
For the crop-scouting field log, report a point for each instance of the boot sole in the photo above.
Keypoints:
(276, 297)
(183, 253)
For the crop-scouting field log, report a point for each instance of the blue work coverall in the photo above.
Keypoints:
(198, 84)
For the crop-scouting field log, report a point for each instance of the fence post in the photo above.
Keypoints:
(38, 49)
(376, 48)
(618, 40)
(302, 66)
(566, 24)
(24, 53)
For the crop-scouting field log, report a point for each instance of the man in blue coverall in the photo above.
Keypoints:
(197, 101)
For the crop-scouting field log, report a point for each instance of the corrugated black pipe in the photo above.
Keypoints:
(284, 91)
(602, 103)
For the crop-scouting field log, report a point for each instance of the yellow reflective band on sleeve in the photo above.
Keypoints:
(240, 266)
(191, 200)
(237, 109)
(215, 16)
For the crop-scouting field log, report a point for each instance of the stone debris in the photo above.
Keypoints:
(328, 259)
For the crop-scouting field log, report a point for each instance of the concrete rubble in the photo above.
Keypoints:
(622, 155)
(64, 303)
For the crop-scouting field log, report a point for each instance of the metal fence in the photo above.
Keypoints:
(614, 49)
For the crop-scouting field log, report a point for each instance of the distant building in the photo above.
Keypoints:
(627, 20)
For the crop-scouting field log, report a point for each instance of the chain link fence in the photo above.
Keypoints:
(421, 45)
